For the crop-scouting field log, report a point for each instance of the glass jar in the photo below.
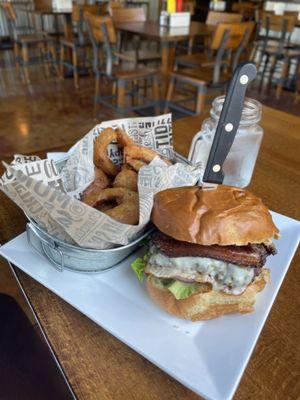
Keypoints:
(239, 164)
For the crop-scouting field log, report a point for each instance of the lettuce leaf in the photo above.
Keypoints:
(139, 266)
(163, 283)
(182, 290)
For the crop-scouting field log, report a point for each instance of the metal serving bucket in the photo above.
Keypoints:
(75, 258)
(66, 256)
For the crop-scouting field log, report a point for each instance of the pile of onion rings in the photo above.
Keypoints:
(115, 188)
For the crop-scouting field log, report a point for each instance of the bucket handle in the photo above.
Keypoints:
(44, 243)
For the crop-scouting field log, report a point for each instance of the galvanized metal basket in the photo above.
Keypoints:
(66, 256)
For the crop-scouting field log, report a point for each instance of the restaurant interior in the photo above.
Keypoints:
(66, 67)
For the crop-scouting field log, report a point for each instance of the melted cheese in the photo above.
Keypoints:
(223, 276)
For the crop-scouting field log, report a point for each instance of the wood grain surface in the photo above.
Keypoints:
(152, 30)
(99, 366)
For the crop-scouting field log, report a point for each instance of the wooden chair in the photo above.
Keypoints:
(288, 58)
(77, 43)
(103, 37)
(246, 9)
(216, 17)
(213, 18)
(204, 59)
(273, 45)
(113, 5)
(137, 55)
(122, 14)
(210, 75)
(25, 41)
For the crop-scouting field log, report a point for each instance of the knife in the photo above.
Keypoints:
(229, 121)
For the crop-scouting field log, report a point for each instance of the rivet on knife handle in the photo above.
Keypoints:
(229, 121)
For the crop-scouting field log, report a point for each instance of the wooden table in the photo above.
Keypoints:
(167, 36)
(99, 366)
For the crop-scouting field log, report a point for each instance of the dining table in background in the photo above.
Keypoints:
(99, 366)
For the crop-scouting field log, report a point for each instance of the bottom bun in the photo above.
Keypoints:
(211, 304)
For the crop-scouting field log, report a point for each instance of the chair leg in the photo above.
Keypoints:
(121, 94)
(17, 57)
(169, 93)
(200, 99)
(263, 73)
(75, 67)
(271, 73)
(114, 90)
(145, 88)
(283, 75)
(45, 59)
(190, 45)
(25, 62)
(62, 60)
(133, 92)
(155, 94)
(52, 52)
(96, 90)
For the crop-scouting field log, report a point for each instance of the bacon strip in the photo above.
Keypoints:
(253, 255)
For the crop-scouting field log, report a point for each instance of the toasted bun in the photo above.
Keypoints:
(224, 215)
(208, 304)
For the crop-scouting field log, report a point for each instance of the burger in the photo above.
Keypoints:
(207, 258)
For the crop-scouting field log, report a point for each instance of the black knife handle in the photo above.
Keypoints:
(229, 121)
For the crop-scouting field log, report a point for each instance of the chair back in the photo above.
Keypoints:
(235, 35)
(112, 5)
(103, 36)
(96, 24)
(229, 38)
(11, 18)
(78, 21)
(246, 9)
(216, 17)
(128, 14)
(239, 38)
(278, 23)
(9, 11)
(78, 11)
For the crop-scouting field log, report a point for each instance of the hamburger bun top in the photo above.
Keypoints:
(223, 215)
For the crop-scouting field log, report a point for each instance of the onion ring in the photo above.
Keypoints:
(127, 209)
(101, 182)
(135, 164)
(140, 153)
(123, 138)
(127, 178)
(101, 159)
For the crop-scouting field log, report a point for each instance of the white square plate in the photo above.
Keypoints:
(208, 357)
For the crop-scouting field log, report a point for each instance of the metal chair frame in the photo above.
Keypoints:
(44, 43)
(200, 88)
(74, 46)
(106, 70)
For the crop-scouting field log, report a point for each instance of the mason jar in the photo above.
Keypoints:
(240, 161)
